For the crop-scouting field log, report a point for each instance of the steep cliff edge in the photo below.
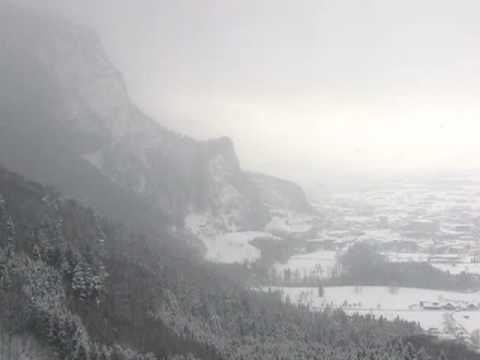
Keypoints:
(281, 194)
(70, 105)
(292, 216)
(67, 120)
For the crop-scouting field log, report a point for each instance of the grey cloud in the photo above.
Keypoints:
(318, 85)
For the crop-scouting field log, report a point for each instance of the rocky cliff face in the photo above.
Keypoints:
(280, 194)
(84, 133)
(292, 216)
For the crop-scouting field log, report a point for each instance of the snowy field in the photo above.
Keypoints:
(225, 245)
(320, 263)
(426, 319)
(289, 223)
(389, 303)
(469, 320)
(406, 257)
(459, 268)
(235, 247)
(375, 297)
(452, 268)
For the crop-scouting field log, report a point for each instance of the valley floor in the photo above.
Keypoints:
(430, 308)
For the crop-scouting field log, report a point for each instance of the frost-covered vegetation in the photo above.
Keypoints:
(410, 304)
(77, 286)
(74, 282)
(363, 265)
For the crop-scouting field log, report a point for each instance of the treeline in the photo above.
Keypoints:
(89, 289)
(363, 265)
(63, 280)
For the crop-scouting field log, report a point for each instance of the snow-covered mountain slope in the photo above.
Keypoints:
(67, 120)
(82, 106)
(292, 225)
(226, 246)
(280, 194)
(292, 216)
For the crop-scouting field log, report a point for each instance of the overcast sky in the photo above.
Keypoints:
(305, 87)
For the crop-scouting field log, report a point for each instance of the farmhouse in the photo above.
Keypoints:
(472, 307)
(427, 305)
(449, 306)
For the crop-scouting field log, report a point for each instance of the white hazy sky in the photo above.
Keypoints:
(306, 87)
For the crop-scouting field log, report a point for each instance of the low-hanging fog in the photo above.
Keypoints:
(305, 88)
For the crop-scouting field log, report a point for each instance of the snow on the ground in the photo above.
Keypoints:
(369, 297)
(389, 303)
(470, 320)
(458, 268)
(227, 244)
(235, 247)
(287, 222)
(380, 235)
(426, 319)
(406, 257)
(225, 247)
(452, 268)
(320, 264)
(358, 218)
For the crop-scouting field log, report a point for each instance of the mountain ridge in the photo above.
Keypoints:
(76, 285)
(73, 287)
(95, 132)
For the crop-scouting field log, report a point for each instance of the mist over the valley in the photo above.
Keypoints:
(347, 88)
(239, 180)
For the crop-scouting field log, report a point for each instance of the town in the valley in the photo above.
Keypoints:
(423, 222)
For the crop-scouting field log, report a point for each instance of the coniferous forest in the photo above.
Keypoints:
(107, 220)
(70, 280)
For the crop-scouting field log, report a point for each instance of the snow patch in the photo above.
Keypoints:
(290, 223)
(225, 247)
(389, 303)
(319, 264)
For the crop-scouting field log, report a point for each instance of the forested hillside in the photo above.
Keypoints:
(363, 265)
(85, 288)
(95, 260)
(67, 120)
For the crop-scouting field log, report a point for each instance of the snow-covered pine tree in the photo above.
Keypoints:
(83, 281)
(7, 228)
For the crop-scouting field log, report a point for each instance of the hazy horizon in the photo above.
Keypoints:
(305, 89)
(121, 239)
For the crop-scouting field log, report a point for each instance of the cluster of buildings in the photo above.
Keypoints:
(443, 224)
(448, 306)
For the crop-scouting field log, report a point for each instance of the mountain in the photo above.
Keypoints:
(67, 120)
(76, 286)
(73, 287)
(115, 283)
(292, 216)
(280, 194)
